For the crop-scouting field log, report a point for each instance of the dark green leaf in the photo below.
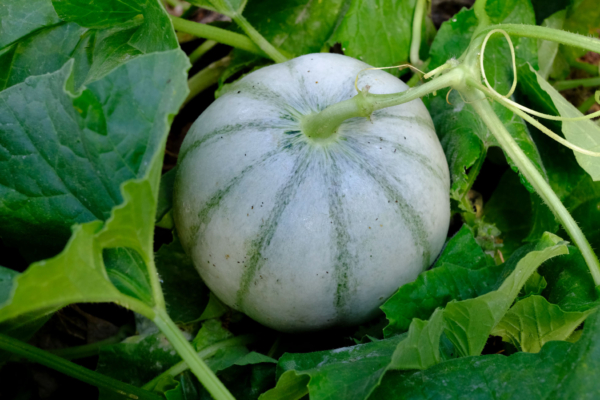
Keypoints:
(377, 32)
(474, 275)
(165, 194)
(127, 270)
(570, 283)
(349, 373)
(98, 14)
(18, 20)
(296, 26)
(463, 250)
(545, 8)
(138, 359)
(560, 371)
(470, 322)
(78, 274)
(96, 51)
(532, 322)
(185, 293)
(518, 214)
(64, 157)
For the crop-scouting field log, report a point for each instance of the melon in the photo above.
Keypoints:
(303, 234)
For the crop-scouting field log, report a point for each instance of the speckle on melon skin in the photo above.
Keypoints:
(302, 235)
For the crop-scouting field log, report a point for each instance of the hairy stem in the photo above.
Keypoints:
(415, 42)
(92, 349)
(258, 39)
(526, 167)
(206, 78)
(574, 83)
(545, 33)
(203, 354)
(206, 377)
(76, 371)
(217, 34)
(202, 50)
(324, 124)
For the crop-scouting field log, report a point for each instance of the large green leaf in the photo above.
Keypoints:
(560, 371)
(78, 273)
(470, 322)
(519, 214)
(296, 26)
(98, 14)
(377, 32)
(459, 273)
(532, 322)
(18, 20)
(96, 49)
(570, 283)
(349, 373)
(64, 157)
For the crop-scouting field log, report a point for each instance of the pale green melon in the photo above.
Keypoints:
(303, 235)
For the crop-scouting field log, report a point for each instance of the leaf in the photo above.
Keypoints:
(65, 157)
(463, 135)
(377, 32)
(446, 281)
(186, 295)
(469, 322)
(561, 370)
(296, 26)
(421, 348)
(225, 7)
(532, 322)
(545, 8)
(548, 50)
(78, 273)
(349, 373)
(518, 214)
(18, 20)
(165, 194)
(98, 14)
(463, 250)
(95, 51)
(585, 134)
(570, 283)
(138, 359)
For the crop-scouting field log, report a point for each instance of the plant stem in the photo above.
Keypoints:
(588, 68)
(202, 50)
(76, 371)
(88, 350)
(482, 106)
(258, 39)
(415, 42)
(545, 33)
(217, 34)
(203, 354)
(206, 377)
(324, 124)
(473, 173)
(587, 104)
(574, 83)
(206, 78)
